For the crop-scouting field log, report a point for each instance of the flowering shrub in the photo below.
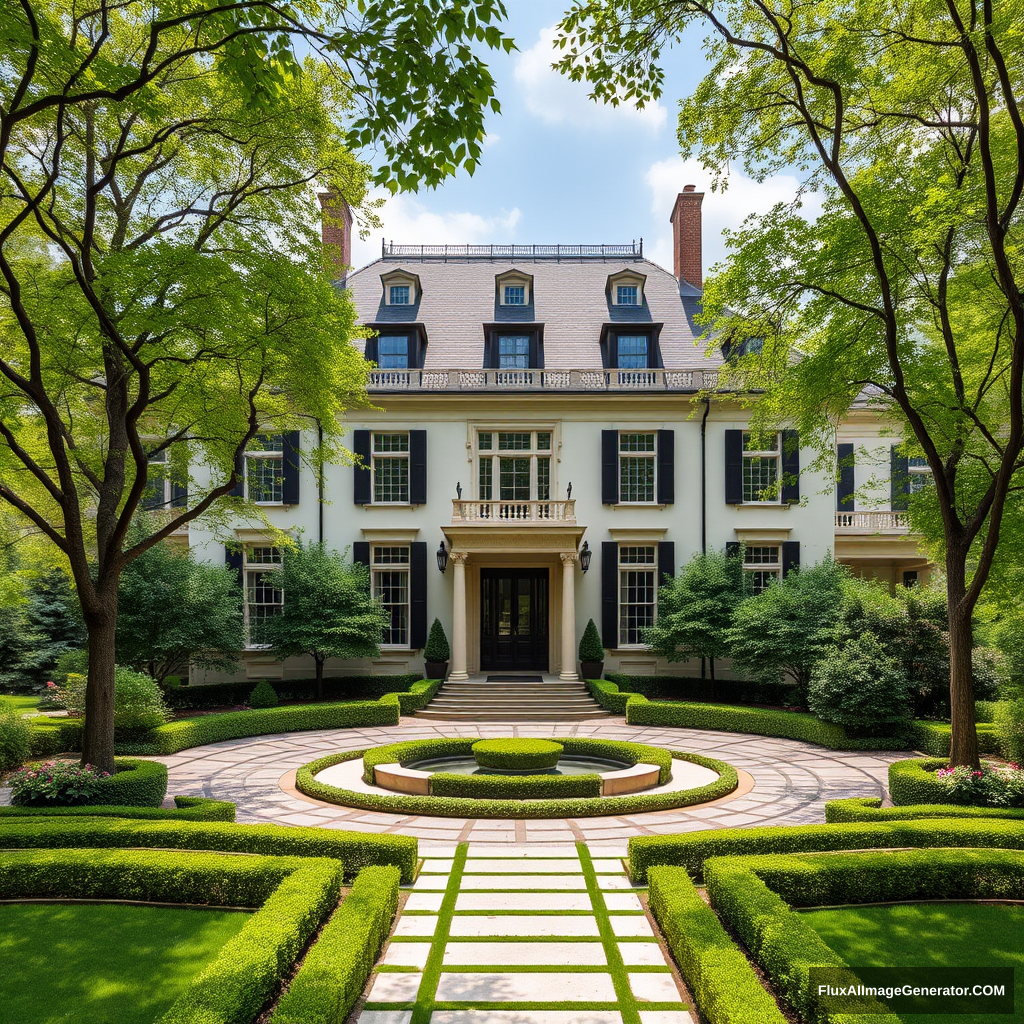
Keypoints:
(993, 786)
(55, 783)
(70, 696)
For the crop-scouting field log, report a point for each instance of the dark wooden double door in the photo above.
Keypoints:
(514, 620)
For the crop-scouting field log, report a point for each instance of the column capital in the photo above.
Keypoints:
(459, 556)
(567, 557)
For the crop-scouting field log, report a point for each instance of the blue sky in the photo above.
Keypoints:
(559, 168)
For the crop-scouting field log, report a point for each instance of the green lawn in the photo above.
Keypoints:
(19, 704)
(938, 935)
(103, 963)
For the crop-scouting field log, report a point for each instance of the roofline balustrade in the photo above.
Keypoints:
(543, 380)
(629, 249)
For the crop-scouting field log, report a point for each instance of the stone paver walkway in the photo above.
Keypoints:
(497, 935)
(792, 781)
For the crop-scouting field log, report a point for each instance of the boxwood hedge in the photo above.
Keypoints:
(692, 849)
(754, 894)
(933, 738)
(514, 787)
(419, 695)
(336, 688)
(514, 753)
(335, 970)
(724, 985)
(356, 850)
(462, 807)
(135, 784)
(869, 808)
(913, 781)
(188, 808)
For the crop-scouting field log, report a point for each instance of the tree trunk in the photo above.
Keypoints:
(98, 738)
(963, 746)
(319, 677)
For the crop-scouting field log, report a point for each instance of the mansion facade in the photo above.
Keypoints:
(537, 454)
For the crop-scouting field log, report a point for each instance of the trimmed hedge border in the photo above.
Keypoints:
(134, 784)
(188, 808)
(462, 807)
(293, 895)
(336, 688)
(869, 808)
(692, 849)
(419, 695)
(794, 725)
(45, 741)
(335, 970)
(355, 850)
(754, 895)
(934, 738)
(724, 985)
(514, 787)
(513, 753)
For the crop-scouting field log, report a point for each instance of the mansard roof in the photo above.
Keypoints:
(569, 297)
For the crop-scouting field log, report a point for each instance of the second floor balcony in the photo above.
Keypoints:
(851, 523)
(504, 512)
(555, 381)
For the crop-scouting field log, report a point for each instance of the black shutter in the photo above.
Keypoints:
(732, 549)
(418, 594)
(536, 352)
(666, 560)
(790, 556)
(371, 349)
(610, 351)
(490, 352)
(609, 467)
(844, 492)
(412, 359)
(233, 560)
(179, 495)
(666, 467)
(290, 482)
(899, 481)
(361, 474)
(361, 552)
(238, 491)
(610, 594)
(417, 469)
(791, 466)
(734, 467)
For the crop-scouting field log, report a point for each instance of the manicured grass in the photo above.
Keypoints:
(103, 963)
(931, 935)
(19, 704)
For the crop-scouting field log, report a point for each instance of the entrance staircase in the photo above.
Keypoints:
(513, 700)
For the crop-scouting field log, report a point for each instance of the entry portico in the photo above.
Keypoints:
(507, 557)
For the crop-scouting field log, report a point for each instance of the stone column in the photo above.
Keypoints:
(459, 650)
(568, 616)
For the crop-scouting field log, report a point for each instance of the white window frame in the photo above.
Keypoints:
(393, 456)
(159, 460)
(919, 474)
(514, 280)
(651, 456)
(645, 337)
(517, 338)
(766, 455)
(398, 288)
(265, 455)
(381, 563)
(404, 338)
(626, 552)
(494, 454)
(507, 296)
(634, 300)
(251, 566)
(761, 560)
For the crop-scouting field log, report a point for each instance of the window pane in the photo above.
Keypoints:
(267, 443)
(626, 295)
(399, 295)
(514, 482)
(390, 556)
(486, 478)
(513, 352)
(263, 600)
(630, 554)
(761, 556)
(758, 580)
(636, 604)
(514, 442)
(636, 479)
(263, 556)
(632, 351)
(544, 441)
(636, 442)
(759, 475)
(390, 442)
(265, 478)
(755, 442)
(544, 479)
(390, 479)
(515, 295)
(484, 441)
(393, 352)
(391, 588)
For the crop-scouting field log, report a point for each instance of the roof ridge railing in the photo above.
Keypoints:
(633, 248)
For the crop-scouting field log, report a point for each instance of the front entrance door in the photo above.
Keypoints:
(514, 620)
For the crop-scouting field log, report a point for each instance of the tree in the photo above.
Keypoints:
(173, 609)
(164, 290)
(786, 629)
(906, 121)
(695, 609)
(328, 611)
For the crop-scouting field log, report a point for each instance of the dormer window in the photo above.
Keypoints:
(514, 347)
(626, 295)
(632, 351)
(626, 288)
(393, 352)
(631, 346)
(515, 295)
(514, 352)
(398, 295)
(400, 288)
(513, 288)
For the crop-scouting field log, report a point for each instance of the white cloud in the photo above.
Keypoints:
(719, 210)
(556, 100)
(410, 222)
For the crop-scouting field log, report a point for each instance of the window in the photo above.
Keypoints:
(638, 457)
(626, 295)
(393, 352)
(264, 469)
(638, 591)
(514, 352)
(761, 457)
(761, 567)
(158, 483)
(632, 351)
(515, 295)
(919, 473)
(263, 598)
(389, 567)
(398, 295)
(514, 465)
(390, 468)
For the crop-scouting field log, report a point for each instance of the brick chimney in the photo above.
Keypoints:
(686, 249)
(336, 221)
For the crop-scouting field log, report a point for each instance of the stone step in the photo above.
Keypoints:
(508, 716)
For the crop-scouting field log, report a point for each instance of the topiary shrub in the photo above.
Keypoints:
(1009, 716)
(263, 696)
(138, 702)
(15, 733)
(590, 644)
(437, 648)
(517, 755)
(861, 688)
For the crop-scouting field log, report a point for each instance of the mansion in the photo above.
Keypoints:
(538, 453)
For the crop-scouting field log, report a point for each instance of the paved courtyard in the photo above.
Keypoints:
(792, 781)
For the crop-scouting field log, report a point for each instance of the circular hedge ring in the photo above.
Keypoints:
(517, 755)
